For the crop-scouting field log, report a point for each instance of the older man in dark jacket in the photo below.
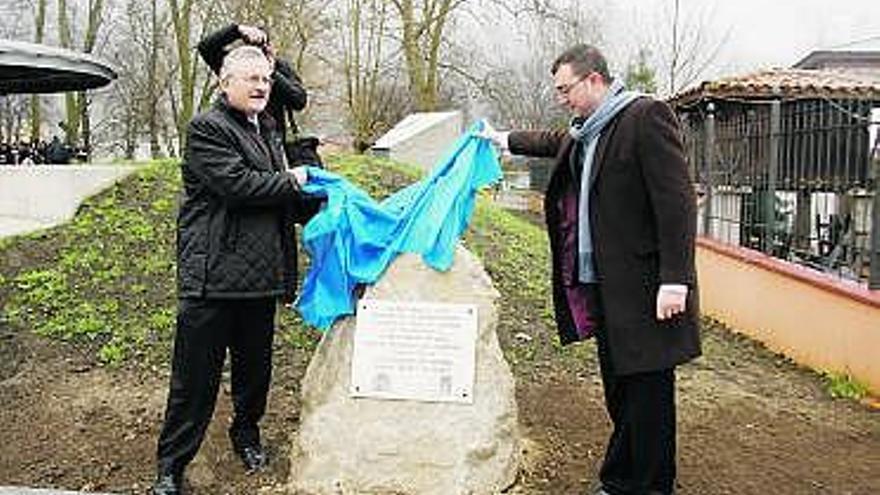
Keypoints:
(621, 219)
(234, 262)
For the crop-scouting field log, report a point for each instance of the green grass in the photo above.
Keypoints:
(516, 254)
(843, 386)
(106, 280)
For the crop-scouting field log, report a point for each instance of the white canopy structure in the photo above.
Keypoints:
(34, 68)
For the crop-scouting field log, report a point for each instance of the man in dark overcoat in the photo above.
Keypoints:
(620, 213)
(235, 260)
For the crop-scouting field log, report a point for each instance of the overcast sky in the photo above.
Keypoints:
(766, 33)
(753, 34)
(783, 32)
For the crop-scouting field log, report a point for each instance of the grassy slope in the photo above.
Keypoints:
(105, 281)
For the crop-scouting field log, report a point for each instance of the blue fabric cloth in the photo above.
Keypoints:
(353, 239)
(587, 133)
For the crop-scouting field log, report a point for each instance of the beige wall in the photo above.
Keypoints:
(817, 320)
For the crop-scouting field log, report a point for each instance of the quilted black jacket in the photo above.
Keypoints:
(234, 229)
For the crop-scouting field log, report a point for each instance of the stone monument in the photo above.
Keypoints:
(365, 445)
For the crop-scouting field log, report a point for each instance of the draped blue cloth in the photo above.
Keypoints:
(353, 239)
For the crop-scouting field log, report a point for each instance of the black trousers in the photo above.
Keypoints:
(640, 458)
(206, 328)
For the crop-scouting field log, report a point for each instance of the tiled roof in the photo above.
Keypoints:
(788, 84)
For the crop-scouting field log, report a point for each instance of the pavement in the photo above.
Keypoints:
(38, 197)
(11, 225)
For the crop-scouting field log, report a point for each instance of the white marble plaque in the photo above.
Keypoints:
(414, 351)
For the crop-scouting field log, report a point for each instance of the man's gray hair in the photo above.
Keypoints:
(241, 56)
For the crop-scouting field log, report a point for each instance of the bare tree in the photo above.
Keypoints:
(522, 98)
(36, 114)
(15, 19)
(363, 35)
(687, 46)
(137, 105)
(519, 88)
(15, 23)
(552, 25)
(158, 27)
(77, 125)
(13, 109)
(293, 25)
(72, 121)
(422, 28)
(182, 12)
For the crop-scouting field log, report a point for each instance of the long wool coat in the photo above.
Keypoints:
(643, 223)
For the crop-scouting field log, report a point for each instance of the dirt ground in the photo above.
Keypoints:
(750, 422)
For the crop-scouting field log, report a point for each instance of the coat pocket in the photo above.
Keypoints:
(191, 274)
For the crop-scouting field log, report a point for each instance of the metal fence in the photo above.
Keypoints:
(796, 179)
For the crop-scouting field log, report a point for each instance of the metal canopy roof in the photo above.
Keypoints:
(34, 68)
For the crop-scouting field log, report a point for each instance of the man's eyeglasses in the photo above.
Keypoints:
(565, 89)
(256, 79)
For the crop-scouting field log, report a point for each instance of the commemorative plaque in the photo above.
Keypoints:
(414, 351)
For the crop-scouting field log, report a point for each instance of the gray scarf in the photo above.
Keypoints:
(587, 133)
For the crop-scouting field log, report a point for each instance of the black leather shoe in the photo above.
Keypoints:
(167, 484)
(253, 457)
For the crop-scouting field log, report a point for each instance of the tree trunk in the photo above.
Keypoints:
(76, 106)
(36, 110)
(363, 58)
(421, 40)
(131, 134)
(180, 15)
(84, 106)
(153, 84)
(71, 113)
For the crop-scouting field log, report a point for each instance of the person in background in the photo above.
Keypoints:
(234, 262)
(57, 153)
(288, 94)
(620, 214)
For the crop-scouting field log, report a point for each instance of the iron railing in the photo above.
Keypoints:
(796, 179)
